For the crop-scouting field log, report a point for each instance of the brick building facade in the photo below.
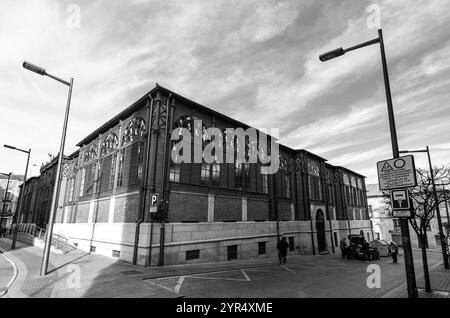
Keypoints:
(207, 212)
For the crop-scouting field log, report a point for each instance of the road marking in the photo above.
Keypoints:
(179, 284)
(162, 286)
(219, 278)
(13, 278)
(288, 269)
(245, 275)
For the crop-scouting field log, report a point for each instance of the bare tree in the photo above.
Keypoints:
(424, 209)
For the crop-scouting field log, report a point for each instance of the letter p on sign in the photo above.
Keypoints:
(154, 200)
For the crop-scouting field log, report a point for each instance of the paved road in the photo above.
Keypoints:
(308, 276)
(6, 273)
(303, 276)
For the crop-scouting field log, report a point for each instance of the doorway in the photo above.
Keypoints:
(320, 227)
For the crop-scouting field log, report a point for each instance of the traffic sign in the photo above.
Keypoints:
(400, 203)
(400, 199)
(154, 202)
(397, 173)
(402, 214)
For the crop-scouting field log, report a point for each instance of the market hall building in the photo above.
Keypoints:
(206, 212)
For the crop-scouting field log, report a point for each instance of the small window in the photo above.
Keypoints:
(335, 239)
(190, 255)
(116, 254)
(232, 252)
(291, 244)
(93, 249)
(261, 248)
(174, 174)
(205, 173)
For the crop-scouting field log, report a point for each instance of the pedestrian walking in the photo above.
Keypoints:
(282, 247)
(343, 246)
(394, 252)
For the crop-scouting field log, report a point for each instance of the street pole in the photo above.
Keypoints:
(5, 196)
(436, 202)
(406, 239)
(56, 188)
(20, 204)
(409, 264)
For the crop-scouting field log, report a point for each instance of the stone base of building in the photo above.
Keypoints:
(207, 242)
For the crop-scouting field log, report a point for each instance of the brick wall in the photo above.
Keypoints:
(258, 210)
(188, 207)
(227, 208)
(126, 209)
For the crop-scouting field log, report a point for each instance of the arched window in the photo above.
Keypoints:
(130, 166)
(110, 143)
(91, 153)
(108, 162)
(135, 129)
(315, 184)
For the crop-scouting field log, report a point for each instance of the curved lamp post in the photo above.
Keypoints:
(41, 71)
(409, 264)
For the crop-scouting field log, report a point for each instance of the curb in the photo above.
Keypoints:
(20, 270)
(4, 291)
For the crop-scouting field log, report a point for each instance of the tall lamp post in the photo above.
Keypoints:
(5, 196)
(43, 72)
(20, 203)
(438, 213)
(409, 264)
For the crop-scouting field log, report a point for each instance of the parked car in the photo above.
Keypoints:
(382, 247)
(360, 249)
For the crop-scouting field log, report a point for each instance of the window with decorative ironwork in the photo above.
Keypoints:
(216, 174)
(174, 172)
(82, 181)
(130, 164)
(238, 175)
(109, 144)
(315, 184)
(107, 171)
(91, 153)
(264, 182)
(205, 174)
(346, 180)
(134, 130)
(287, 186)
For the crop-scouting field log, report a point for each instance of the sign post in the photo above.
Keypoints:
(399, 174)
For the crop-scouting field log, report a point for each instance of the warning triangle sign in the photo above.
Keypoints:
(386, 167)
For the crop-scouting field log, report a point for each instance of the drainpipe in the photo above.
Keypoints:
(144, 189)
(308, 204)
(327, 209)
(166, 161)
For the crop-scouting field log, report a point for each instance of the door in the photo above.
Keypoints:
(320, 227)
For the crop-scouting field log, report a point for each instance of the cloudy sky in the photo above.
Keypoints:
(254, 60)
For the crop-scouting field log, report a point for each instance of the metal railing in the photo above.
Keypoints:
(38, 232)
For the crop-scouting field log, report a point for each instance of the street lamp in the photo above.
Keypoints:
(4, 201)
(409, 264)
(20, 203)
(441, 233)
(43, 72)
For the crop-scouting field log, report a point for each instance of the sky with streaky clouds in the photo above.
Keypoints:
(254, 60)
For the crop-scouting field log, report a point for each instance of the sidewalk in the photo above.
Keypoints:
(439, 280)
(80, 274)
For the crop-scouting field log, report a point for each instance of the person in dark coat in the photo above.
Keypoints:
(394, 252)
(282, 247)
(343, 246)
